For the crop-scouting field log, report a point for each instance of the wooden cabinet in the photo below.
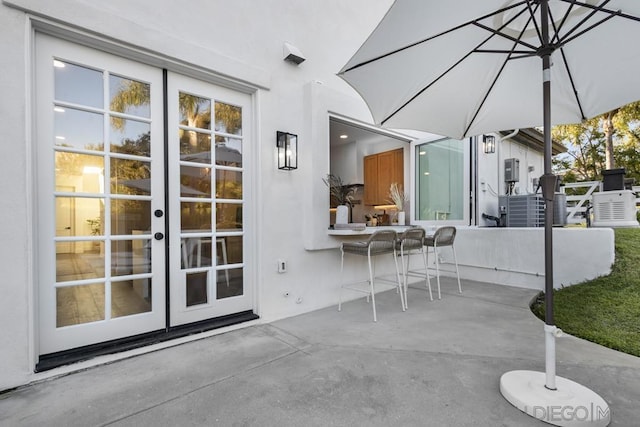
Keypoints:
(380, 170)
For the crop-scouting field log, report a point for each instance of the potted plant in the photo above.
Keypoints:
(342, 195)
(372, 219)
(399, 198)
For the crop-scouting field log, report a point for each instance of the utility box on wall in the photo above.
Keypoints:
(511, 170)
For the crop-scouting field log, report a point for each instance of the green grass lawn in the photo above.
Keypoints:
(605, 310)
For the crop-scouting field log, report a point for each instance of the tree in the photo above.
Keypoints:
(603, 142)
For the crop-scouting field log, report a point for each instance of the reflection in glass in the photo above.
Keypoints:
(130, 297)
(229, 250)
(195, 216)
(196, 252)
(130, 257)
(440, 180)
(130, 217)
(131, 177)
(79, 216)
(228, 118)
(78, 129)
(195, 146)
(228, 152)
(229, 283)
(79, 304)
(194, 111)
(77, 84)
(197, 288)
(228, 216)
(79, 260)
(130, 137)
(195, 182)
(82, 172)
(228, 184)
(129, 96)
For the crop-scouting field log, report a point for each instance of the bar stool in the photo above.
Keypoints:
(381, 242)
(444, 236)
(411, 242)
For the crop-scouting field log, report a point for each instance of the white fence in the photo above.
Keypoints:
(577, 204)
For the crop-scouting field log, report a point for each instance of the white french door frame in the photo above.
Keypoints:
(43, 240)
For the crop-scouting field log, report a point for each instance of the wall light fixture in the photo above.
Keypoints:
(287, 144)
(488, 144)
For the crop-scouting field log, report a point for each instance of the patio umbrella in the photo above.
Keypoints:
(462, 68)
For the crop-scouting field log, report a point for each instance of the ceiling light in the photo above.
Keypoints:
(344, 136)
(422, 153)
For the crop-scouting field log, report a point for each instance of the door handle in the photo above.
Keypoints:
(158, 236)
(67, 228)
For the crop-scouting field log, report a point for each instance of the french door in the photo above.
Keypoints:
(113, 177)
(207, 134)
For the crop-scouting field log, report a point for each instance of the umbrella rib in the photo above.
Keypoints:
(435, 36)
(589, 28)
(495, 80)
(600, 8)
(556, 37)
(493, 33)
(573, 86)
(582, 21)
(498, 31)
(524, 53)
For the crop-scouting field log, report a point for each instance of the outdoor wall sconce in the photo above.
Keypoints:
(287, 144)
(488, 144)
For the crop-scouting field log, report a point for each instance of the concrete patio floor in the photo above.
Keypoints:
(438, 364)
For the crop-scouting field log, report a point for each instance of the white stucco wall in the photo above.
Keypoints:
(16, 284)
(241, 40)
(491, 173)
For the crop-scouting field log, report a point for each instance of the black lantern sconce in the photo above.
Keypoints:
(488, 144)
(287, 144)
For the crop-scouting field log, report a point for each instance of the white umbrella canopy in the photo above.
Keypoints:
(438, 66)
(461, 68)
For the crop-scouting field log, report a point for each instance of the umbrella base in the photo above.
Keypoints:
(571, 404)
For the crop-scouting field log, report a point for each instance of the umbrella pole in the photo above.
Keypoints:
(533, 392)
(548, 191)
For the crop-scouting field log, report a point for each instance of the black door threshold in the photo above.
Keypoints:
(66, 357)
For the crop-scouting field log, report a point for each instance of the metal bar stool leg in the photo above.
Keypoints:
(405, 272)
(373, 293)
(341, 280)
(435, 254)
(425, 251)
(403, 300)
(455, 260)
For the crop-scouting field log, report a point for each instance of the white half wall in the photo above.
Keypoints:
(515, 256)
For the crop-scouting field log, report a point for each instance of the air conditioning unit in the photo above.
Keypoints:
(614, 209)
(527, 210)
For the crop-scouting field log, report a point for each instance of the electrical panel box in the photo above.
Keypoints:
(511, 170)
